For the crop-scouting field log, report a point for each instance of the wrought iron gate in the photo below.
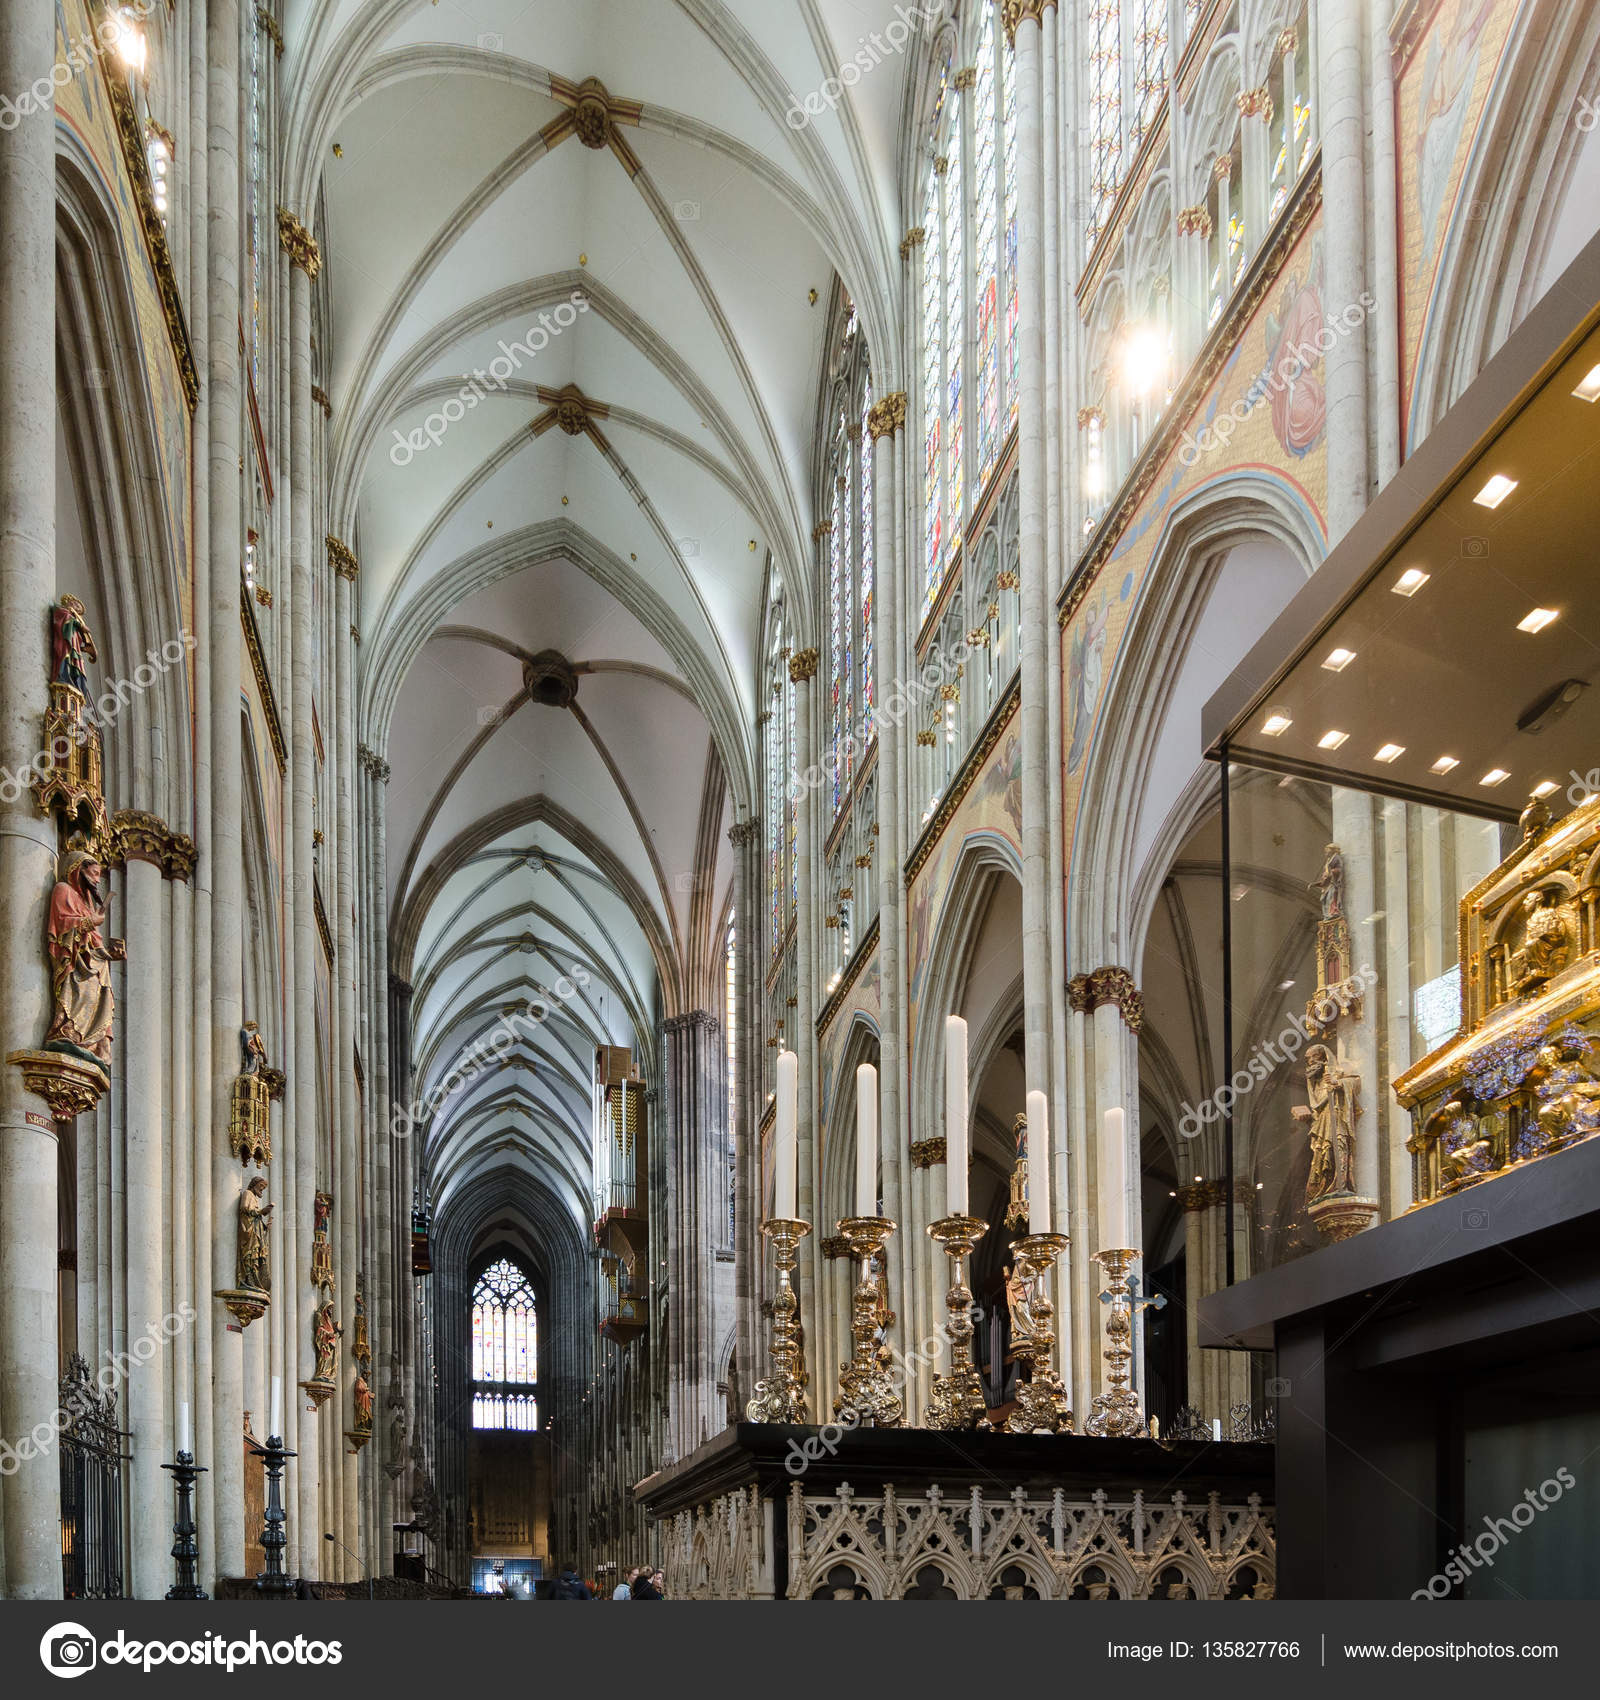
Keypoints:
(92, 1560)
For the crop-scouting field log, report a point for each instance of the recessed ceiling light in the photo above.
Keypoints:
(1495, 491)
(1390, 752)
(1339, 659)
(1544, 788)
(1444, 764)
(1331, 740)
(1409, 582)
(1494, 776)
(1285, 985)
(1275, 725)
(1536, 619)
(1589, 389)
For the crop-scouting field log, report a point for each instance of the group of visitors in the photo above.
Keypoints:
(640, 1583)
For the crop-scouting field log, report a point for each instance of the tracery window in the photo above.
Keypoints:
(779, 757)
(505, 1350)
(731, 1054)
(969, 296)
(1128, 57)
(846, 496)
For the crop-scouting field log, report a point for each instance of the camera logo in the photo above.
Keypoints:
(68, 1649)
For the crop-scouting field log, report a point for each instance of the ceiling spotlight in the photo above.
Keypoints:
(1339, 659)
(1495, 491)
(1390, 752)
(1544, 788)
(1495, 776)
(1589, 389)
(1331, 740)
(1275, 725)
(1536, 619)
(1409, 582)
(1444, 764)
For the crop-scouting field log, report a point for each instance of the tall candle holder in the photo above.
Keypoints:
(1116, 1413)
(1042, 1405)
(186, 1544)
(780, 1395)
(273, 1582)
(865, 1386)
(958, 1401)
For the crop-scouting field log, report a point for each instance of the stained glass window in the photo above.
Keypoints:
(1149, 46)
(954, 319)
(868, 565)
(777, 766)
(1105, 111)
(986, 213)
(932, 391)
(730, 1031)
(1008, 85)
(505, 1350)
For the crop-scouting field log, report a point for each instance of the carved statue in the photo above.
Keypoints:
(1017, 1204)
(361, 1345)
(1549, 940)
(1331, 1113)
(363, 1398)
(80, 961)
(1019, 1301)
(1330, 883)
(253, 1049)
(72, 645)
(321, 1249)
(254, 1267)
(325, 1335)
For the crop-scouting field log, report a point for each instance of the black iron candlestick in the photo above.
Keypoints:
(186, 1545)
(273, 1582)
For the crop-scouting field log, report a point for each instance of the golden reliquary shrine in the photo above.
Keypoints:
(1518, 1081)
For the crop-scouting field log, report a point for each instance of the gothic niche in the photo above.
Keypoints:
(255, 1089)
(1521, 1078)
(360, 1430)
(71, 1070)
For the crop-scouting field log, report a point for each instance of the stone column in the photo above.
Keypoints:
(745, 837)
(1344, 222)
(224, 447)
(150, 1487)
(1023, 23)
(695, 1164)
(299, 1191)
(31, 1497)
(802, 670)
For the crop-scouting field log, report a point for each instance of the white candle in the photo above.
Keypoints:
(866, 1140)
(785, 1142)
(275, 1427)
(955, 1115)
(1114, 1183)
(1038, 1164)
(185, 1438)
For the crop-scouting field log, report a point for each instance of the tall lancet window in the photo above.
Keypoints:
(986, 218)
(505, 1350)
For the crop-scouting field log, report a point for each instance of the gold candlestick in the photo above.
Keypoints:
(958, 1401)
(865, 1386)
(1116, 1413)
(1042, 1405)
(780, 1396)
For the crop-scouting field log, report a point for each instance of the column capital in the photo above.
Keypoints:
(1014, 12)
(689, 1021)
(913, 238)
(1195, 220)
(320, 396)
(744, 833)
(965, 78)
(1087, 992)
(341, 558)
(887, 415)
(299, 244)
(823, 528)
(137, 836)
(270, 27)
(927, 1153)
(803, 666)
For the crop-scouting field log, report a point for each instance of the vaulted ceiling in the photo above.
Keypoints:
(579, 256)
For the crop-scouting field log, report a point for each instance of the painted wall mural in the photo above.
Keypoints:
(1441, 94)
